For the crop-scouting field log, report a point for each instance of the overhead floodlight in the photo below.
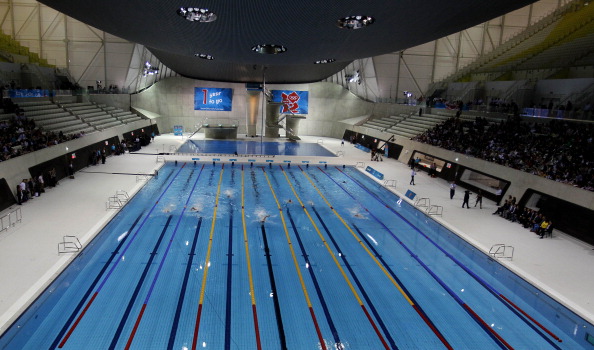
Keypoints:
(354, 78)
(149, 69)
(329, 60)
(204, 56)
(355, 22)
(268, 49)
(194, 14)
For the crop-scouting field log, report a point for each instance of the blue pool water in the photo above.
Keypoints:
(255, 147)
(238, 257)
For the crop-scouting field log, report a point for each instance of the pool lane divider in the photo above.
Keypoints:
(228, 299)
(274, 292)
(139, 284)
(92, 286)
(207, 261)
(184, 286)
(162, 262)
(396, 282)
(497, 338)
(113, 267)
(249, 263)
(357, 281)
(337, 263)
(508, 303)
(314, 319)
(314, 279)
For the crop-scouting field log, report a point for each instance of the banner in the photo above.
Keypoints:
(212, 99)
(294, 102)
(28, 93)
(178, 130)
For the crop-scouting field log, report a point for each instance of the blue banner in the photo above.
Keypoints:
(178, 130)
(212, 99)
(374, 173)
(294, 102)
(28, 93)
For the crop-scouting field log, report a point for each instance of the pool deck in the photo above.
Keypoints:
(561, 266)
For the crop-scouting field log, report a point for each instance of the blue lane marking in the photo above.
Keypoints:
(315, 282)
(277, 310)
(182, 292)
(92, 287)
(139, 284)
(229, 285)
(356, 279)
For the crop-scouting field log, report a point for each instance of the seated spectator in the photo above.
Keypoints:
(558, 150)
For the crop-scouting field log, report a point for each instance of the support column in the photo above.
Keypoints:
(252, 103)
(272, 113)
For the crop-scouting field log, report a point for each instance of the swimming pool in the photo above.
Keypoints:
(216, 256)
(255, 147)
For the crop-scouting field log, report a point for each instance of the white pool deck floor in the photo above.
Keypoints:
(561, 266)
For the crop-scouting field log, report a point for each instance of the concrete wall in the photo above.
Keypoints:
(520, 181)
(173, 100)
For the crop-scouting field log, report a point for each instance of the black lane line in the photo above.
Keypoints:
(229, 285)
(182, 292)
(92, 286)
(361, 288)
(277, 311)
(147, 267)
(315, 282)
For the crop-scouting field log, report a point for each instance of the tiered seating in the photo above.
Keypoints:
(93, 114)
(6, 116)
(415, 125)
(384, 123)
(52, 117)
(125, 116)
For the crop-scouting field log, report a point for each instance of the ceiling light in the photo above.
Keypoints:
(269, 49)
(194, 14)
(204, 56)
(355, 22)
(329, 60)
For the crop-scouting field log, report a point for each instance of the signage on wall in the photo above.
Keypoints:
(212, 99)
(178, 130)
(294, 102)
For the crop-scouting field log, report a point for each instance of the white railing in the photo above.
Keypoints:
(11, 219)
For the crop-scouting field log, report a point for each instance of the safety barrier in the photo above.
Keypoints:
(10, 219)
(119, 199)
(435, 210)
(390, 183)
(69, 244)
(502, 251)
(142, 177)
(423, 202)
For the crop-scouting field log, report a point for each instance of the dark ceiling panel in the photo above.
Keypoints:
(306, 28)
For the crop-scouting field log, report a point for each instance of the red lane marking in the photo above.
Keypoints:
(197, 327)
(433, 328)
(379, 334)
(315, 321)
(135, 327)
(77, 321)
(530, 318)
(256, 328)
(487, 326)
